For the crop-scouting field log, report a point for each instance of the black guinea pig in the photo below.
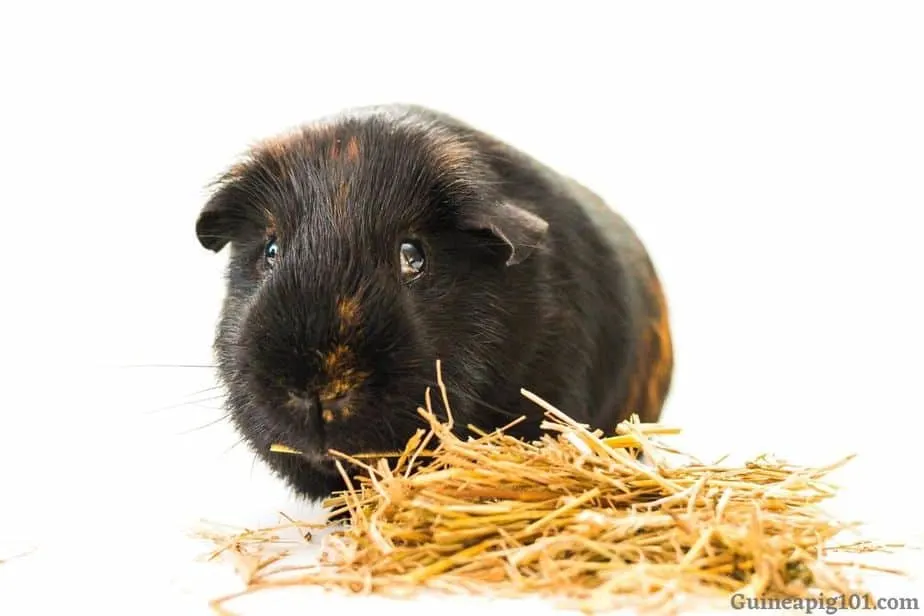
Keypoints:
(367, 245)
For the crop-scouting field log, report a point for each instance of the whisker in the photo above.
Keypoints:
(253, 465)
(213, 367)
(224, 417)
(206, 390)
(237, 443)
(182, 404)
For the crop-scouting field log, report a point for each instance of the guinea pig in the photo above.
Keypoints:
(365, 246)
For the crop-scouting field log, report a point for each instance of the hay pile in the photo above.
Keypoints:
(574, 516)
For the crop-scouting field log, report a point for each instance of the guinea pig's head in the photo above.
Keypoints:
(361, 250)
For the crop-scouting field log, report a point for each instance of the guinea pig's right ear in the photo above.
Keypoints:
(219, 220)
(522, 232)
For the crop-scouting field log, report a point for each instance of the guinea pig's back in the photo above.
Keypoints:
(606, 349)
(642, 384)
(610, 310)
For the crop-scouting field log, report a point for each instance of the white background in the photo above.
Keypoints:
(770, 155)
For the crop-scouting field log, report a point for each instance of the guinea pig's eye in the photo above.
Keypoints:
(412, 259)
(270, 252)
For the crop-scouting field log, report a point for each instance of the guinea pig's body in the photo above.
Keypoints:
(368, 245)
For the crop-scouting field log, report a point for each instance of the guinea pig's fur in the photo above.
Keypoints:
(527, 280)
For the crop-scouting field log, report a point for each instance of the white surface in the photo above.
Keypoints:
(770, 157)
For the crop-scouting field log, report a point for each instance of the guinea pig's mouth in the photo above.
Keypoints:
(321, 455)
(314, 455)
(307, 428)
(314, 446)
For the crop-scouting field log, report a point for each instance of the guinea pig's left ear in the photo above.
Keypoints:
(218, 220)
(521, 230)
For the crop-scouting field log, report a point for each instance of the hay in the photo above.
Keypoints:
(575, 516)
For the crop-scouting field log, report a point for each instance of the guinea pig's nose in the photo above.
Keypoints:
(336, 406)
(307, 405)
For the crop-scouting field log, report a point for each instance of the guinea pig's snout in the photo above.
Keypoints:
(306, 406)
(313, 369)
(330, 395)
(318, 408)
(336, 407)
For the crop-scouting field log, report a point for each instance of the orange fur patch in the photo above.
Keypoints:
(340, 386)
(337, 358)
(348, 311)
(342, 376)
(651, 377)
(352, 149)
(277, 147)
(335, 148)
(283, 147)
(329, 415)
(338, 365)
